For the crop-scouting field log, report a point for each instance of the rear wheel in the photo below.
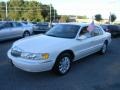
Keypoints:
(26, 34)
(63, 64)
(104, 48)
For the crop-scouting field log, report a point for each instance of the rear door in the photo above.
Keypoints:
(92, 42)
(97, 37)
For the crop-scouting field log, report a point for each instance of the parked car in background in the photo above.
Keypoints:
(27, 23)
(34, 23)
(58, 48)
(53, 24)
(105, 27)
(113, 29)
(41, 28)
(12, 29)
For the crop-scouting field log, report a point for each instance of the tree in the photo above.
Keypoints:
(44, 11)
(2, 10)
(32, 11)
(14, 9)
(2, 5)
(98, 17)
(112, 17)
(27, 10)
(53, 11)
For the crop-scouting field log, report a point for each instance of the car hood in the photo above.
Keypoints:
(41, 43)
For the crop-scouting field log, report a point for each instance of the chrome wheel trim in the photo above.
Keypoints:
(104, 48)
(26, 34)
(64, 65)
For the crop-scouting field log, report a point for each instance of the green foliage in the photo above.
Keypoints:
(82, 17)
(14, 9)
(45, 11)
(26, 10)
(112, 17)
(98, 17)
(2, 10)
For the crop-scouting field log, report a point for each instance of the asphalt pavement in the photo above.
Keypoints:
(95, 72)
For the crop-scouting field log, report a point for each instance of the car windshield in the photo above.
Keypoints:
(64, 31)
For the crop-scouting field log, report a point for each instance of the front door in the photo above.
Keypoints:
(5, 31)
(83, 46)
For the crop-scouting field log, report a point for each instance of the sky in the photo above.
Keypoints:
(85, 7)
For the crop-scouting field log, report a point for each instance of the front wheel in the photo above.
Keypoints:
(63, 64)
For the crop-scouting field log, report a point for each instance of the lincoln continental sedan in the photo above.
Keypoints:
(58, 48)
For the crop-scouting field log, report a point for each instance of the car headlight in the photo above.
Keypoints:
(17, 52)
(15, 48)
(35, 56)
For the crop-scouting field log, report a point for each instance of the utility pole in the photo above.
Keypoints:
(50, 15)
(54, 14)
(6, 7)
(92, 18)
(110, 18)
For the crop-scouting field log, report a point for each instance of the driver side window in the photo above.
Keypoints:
(85, 32)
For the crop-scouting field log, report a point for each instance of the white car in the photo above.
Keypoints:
(41, 27)
(58, 48)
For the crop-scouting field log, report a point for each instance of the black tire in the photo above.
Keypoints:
(104, 48)
(62, 64)
(26, 34)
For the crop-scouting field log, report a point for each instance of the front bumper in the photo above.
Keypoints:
(31, 65)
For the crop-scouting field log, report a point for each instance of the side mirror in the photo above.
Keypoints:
(82, 37)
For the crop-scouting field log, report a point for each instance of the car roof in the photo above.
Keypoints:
(76, 23)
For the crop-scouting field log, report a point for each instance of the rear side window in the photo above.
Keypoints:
(97, 31)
